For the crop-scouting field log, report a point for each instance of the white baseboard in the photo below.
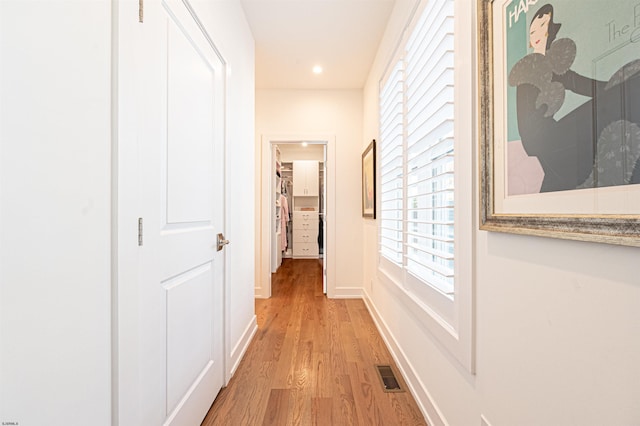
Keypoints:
(424, 400)
(237, 353)
(346, 293)
(260, 293)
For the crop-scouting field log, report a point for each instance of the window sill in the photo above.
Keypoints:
(457, 344)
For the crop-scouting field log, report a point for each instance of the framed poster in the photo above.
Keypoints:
(560, 118)
(369, 181)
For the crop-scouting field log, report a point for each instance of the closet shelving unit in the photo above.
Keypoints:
(300, 182)
(306, 192)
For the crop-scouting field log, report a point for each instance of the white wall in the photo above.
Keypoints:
(323, 112)
(295, 151)
(556, 322)
(55, 190)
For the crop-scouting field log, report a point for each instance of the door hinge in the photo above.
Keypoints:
(139, 231)
(141, 11)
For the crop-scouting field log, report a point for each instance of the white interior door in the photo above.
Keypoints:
(180, 133)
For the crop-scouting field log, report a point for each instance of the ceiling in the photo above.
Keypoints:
(292, 36)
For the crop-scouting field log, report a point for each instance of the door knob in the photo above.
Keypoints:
(222, 242)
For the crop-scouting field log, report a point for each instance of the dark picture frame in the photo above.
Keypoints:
(369, 181)
(599, 213)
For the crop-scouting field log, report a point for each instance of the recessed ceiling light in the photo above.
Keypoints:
(304, 144)
(317, 69)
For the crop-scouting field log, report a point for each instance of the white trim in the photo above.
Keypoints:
(418, 390)
(125, 201)
(261, 292)
(263, 286)
(437, 326)
(115, 123)
(347, 293)
(466, 205)
(236, 355)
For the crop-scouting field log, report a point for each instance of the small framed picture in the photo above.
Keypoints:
(369, 181)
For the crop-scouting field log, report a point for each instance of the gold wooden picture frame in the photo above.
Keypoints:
(601, 211)
(369, 181)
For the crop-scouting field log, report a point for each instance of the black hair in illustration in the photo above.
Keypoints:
(547, 9)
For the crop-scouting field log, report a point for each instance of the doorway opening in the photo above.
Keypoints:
(298, 208)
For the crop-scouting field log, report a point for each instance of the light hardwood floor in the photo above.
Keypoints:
(312, 362)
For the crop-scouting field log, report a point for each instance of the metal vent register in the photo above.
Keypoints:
(388, 379)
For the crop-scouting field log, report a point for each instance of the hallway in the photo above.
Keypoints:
(312, 362)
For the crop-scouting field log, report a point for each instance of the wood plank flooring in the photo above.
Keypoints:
(312, 362)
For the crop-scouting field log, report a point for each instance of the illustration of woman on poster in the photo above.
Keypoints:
(596, 144)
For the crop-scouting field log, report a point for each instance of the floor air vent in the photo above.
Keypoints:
(388, 379)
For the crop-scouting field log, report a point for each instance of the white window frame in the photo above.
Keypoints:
(451, 322)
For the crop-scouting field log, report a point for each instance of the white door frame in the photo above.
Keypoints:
(263, 286)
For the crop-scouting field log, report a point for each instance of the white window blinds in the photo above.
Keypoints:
(429, 97)
(391, 165)
(417, 152)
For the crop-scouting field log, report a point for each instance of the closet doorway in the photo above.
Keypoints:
(297, 207)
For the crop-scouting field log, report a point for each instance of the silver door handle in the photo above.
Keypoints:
(222, 242)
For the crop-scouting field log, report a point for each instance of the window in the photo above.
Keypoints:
(425, 213)
(391, 166)
(430, 148)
